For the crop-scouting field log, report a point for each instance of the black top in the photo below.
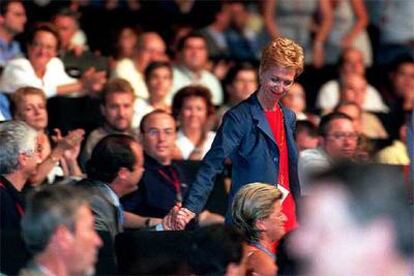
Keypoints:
(14, 254)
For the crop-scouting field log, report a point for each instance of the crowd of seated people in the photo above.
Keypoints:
(149, 92)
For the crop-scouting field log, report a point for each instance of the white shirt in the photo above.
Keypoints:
(183, 77)
(126, 69)
(328, 98)
(19, 73)
(186, 146)
(311, 161)
(141, 108)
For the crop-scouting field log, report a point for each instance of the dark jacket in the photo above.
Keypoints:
(155, 195)
(13, 252)
(247, 139)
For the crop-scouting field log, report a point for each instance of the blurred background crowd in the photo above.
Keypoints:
(165, 73)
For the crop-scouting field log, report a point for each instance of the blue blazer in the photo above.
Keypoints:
(246, 138)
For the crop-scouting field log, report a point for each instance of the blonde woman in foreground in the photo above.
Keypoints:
(257, 212)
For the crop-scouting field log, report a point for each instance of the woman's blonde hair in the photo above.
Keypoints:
(18, 96)
(253, 202)
(283, 52)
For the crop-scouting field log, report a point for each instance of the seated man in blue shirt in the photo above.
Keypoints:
(12, 21)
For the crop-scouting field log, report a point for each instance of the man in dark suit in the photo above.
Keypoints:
(113, 171)
(19, 157)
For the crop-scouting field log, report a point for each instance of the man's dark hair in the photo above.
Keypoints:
(327, 119)
(183, 40)
(347, 103)
(154, 66)
(66, 12)
(214, 248)
(43, 27)
(375, 192)
(306, 126)
(147, 116)
(400, 60)
(242, 66)
(109, 155)
(4, 5)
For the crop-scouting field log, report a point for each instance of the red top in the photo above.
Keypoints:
(276, 122)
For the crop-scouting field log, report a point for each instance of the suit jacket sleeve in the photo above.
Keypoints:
(226, 142)
(105, 215)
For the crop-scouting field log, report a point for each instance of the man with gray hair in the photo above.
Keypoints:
(18, 161)
(58, 228)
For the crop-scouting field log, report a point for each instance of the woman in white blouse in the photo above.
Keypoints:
(158, 78)
(43, 70)
(193, 109)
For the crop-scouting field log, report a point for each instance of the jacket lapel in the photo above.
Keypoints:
(290, 136)
(259, 117)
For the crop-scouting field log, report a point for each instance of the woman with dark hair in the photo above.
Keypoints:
(125, 42)
(158, 78)
(193, 110)
(42, 69)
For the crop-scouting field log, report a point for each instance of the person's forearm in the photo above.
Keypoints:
(45, 167)
(73, 168)
(135, 221)
(362, 18)
(268, 11)
(326, 23)
(68, 89)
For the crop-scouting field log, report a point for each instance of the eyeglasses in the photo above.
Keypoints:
(343, 135)
(31, 152)
(153, 132)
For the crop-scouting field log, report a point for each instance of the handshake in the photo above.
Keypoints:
(177, 218)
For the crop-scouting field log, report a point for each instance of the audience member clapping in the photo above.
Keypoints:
(42, 69)
(74, 51)
(56, 161)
